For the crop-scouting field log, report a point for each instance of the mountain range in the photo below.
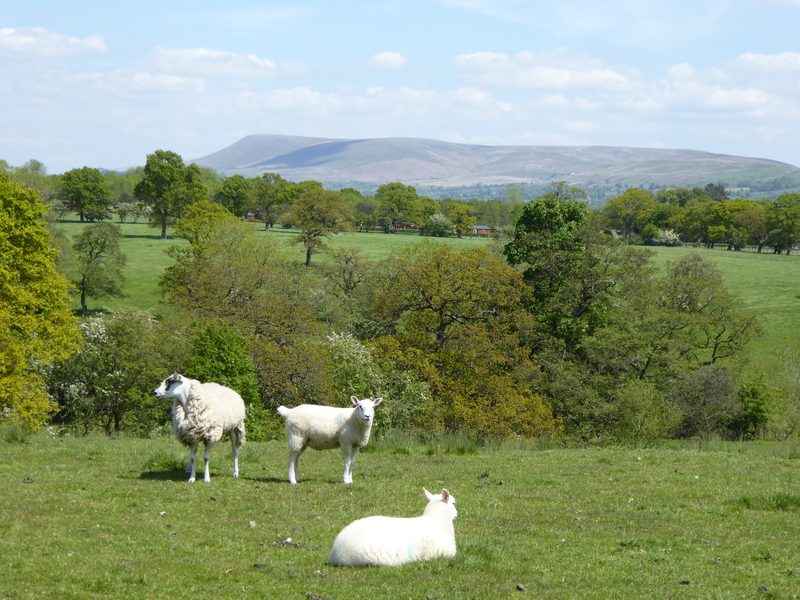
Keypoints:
(427, 163)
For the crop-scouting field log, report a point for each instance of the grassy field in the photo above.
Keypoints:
(768, 285)
(99, 517)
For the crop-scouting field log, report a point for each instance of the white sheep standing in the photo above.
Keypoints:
(203, 412)
(392, 541)
(327, 427)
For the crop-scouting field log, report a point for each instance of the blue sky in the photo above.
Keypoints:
(104, 84)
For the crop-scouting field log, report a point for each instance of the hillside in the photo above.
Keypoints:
(368, 163)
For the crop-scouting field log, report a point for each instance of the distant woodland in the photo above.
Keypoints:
(561, 329)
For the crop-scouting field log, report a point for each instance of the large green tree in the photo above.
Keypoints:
(235, 194)
(783, 219)
(169, 187)
(318, 213)
(448, 317)
(36, 324)
(398, 203)
(268, 197)
(629, 210)
(85, 190)
(99, 263)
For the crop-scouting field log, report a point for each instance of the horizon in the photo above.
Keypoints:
(104, 88)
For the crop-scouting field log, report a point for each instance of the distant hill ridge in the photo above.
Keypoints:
(425, 163)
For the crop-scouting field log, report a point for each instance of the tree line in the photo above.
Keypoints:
(562, 327)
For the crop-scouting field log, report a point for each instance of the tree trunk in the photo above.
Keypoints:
(85, 310)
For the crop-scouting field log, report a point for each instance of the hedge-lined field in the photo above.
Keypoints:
(99, 517)
(766, 283)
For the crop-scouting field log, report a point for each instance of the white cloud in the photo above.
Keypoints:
(783, 62)
(557, 69)
(201, 62)
(388, 61)
(473, 97)
(38, 44)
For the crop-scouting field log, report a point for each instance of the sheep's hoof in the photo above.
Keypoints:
(191, 480)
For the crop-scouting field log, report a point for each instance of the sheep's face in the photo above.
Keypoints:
(174, 386)
(366, 407)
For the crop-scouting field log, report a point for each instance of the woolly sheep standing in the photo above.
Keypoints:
(203, 412)
(391, 541)
(327, 427)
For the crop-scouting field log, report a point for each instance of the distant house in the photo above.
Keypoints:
(482, 230)
(250, 216)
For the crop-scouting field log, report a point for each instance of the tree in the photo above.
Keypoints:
(398, 203)
(36, 324)
(449, 319)
(99, 263)
(461, 217)
(268, 197)
(235, 194)
(629, 210)
(169, 187)
(247, 280)
(783, 218)
(108, 382)
(717, 192)
(431, 290)
(317, 213)
(85, 191)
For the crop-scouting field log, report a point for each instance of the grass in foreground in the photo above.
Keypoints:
(115, 518)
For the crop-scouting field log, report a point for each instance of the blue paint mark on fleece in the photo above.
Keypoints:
(340, 418)
(411, 552)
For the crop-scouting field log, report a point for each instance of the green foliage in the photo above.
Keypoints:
(235, 194)
(756, 405)
(644, 417)
(108, 382)
(268, 197)
(783, 220)
(356, 372)
(36, 325)
(85, 190)
(99, 263)
(246, 280)
(398, 203)
(629, 210)
(220, 353)
(317, 213)
(169, 187)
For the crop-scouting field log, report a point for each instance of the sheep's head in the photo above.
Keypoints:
(445, 497)
(366, 407)
(174, 386)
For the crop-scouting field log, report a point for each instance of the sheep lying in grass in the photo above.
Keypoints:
(390, 541)
(203, 412)
(327, 427)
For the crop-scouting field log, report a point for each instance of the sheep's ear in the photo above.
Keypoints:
(445, 495)
(377, 401)
(428, 495)
(354, 400)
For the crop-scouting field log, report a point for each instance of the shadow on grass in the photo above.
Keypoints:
(165, 475)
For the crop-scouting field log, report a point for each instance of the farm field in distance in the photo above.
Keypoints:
(767, 284)
(99, 517)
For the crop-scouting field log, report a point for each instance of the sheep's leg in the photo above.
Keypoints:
(192, 460)
(206, 475)
(235, 444)
(349, 457)
(294, 461)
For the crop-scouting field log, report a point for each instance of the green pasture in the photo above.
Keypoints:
(767, 284)
(99, 517)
